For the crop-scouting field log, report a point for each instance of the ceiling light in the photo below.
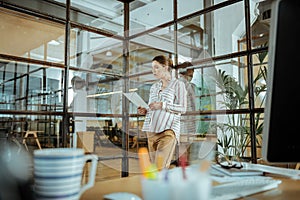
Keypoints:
(109, 93)
(54, 42)
(108, 53)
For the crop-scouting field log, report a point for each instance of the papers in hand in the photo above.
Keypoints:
(136, 99)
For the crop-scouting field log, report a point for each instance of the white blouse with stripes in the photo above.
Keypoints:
(174, 98)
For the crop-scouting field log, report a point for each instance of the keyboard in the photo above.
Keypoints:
(245, 187)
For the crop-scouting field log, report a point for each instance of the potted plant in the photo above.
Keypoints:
(234, 132)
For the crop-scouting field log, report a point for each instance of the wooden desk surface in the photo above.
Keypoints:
(127, 184)
(289, 189)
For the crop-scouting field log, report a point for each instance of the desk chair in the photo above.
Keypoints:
(34, 133)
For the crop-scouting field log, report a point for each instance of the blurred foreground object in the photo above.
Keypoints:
(15, 173)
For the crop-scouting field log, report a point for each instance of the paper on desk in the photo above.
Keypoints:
(136, 99)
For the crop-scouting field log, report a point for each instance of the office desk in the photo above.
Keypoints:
(288, 190)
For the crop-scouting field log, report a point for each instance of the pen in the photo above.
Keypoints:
(159, 162)
(151, 172)
(165, 174)
(183, 160)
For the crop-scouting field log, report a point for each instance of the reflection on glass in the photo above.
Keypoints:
(145, 15)
(97, 52)
(32, 87)
(260, 69)
(106, 15)
(261, 26)
(185, 8)
(31, 37)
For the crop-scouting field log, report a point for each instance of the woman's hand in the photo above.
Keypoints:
(142, 111)
(155, 105)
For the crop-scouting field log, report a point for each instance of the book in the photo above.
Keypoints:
(237, 172)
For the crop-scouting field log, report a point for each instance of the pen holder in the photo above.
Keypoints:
(172, 186)
(155, 189)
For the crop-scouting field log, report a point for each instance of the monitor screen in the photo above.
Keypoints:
(281, 134)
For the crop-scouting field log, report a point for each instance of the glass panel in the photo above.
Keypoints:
(260, 69)
(141, 58)
(141, 61)
(97, 63)
(192, 39)
(185, 8)
(260, 23)
(96, 85)
(32, 87)
(141, 68)
(233, 131)
(30, 37)
(45, 89)
(53, 8)
(48, 132)
(211, 34)
(91, 94)
(145, 15)
(160, 40)
(48, 127)
(107, 15)
(96, 52)
(231, 84)
(8, 92)
(223, 29)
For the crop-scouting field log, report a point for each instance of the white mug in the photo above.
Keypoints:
(58, 173)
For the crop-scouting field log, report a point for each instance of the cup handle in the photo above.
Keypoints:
(92, 173)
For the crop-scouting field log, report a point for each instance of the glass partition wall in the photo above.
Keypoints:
(65, 64)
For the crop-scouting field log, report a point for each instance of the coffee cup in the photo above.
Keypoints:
(58, 173)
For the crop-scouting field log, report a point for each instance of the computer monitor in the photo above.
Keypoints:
(281, 134)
